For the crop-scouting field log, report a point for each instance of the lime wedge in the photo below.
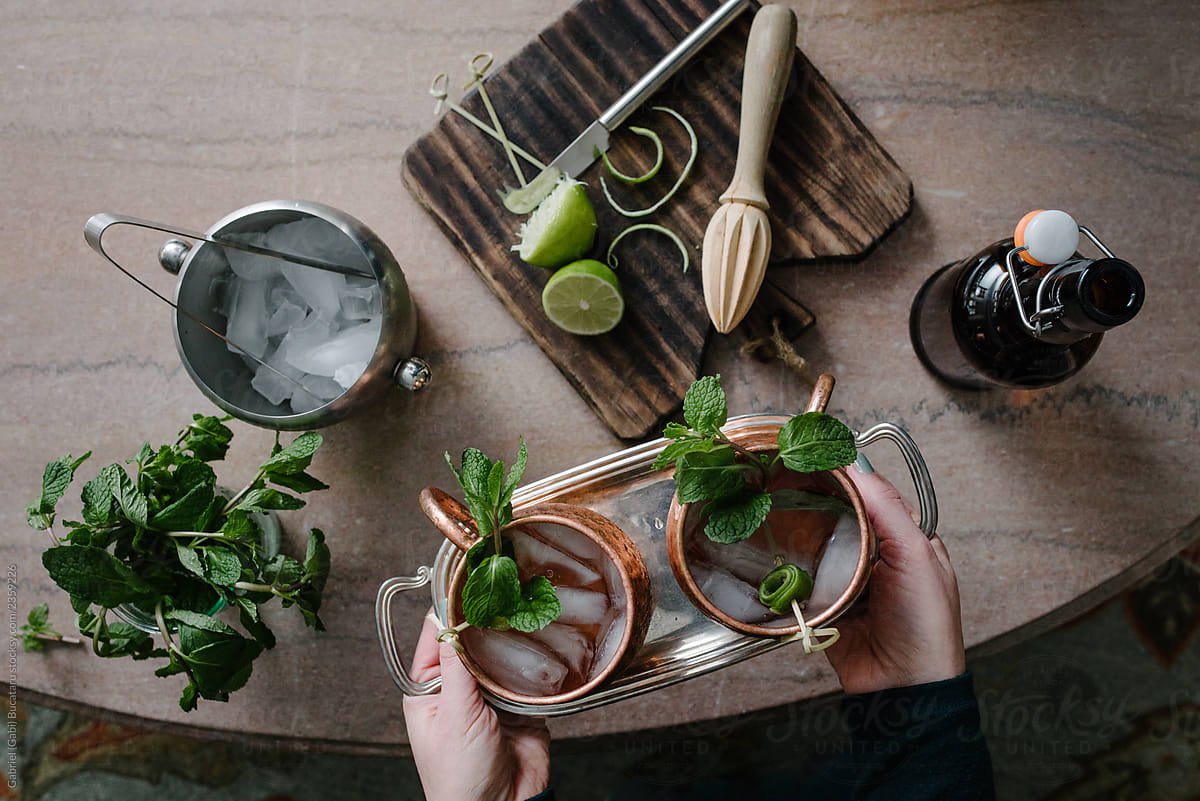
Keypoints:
(584, 298)
(561, 229)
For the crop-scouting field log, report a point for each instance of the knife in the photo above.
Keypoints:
(594, 140)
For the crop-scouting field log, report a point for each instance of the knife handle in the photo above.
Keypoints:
(653, 80)
(769, 55)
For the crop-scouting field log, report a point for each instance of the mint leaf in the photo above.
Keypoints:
(218, 662)
(183, 513)
(735, 519)
(132, 502)
(39, 616)
(239, 526)
(298, 482)
(492, 590)
(198, 621)
(121, 639)
(251, 621)
(38, 624)
(222, 566)
(487, 547)
(283, 571)
(189, 557)
(675, 431)
(207, 438)
(815, 441)
(495, 485)
(514, 475)
(316, 571)
(95, 574)
(670, 454)
(192, 473)
(97, 502)
(187, 701)
(264, 499)
(316, 560)
(537, 607)
(704, 405)
(811, 501)
(55, 479)
(475, 469)
(296, 457)
(701, 476)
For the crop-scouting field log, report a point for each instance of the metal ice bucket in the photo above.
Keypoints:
(221, 374)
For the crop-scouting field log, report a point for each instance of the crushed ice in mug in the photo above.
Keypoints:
(316, 327)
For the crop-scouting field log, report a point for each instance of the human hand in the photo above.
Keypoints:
(464, 749)
(911, 629)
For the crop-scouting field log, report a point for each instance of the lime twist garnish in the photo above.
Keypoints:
(584, 298)
(783, 585)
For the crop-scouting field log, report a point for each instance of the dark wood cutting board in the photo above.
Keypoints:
(834, 192)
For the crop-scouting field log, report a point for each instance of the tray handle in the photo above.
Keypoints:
(926, 498)
(388, 590)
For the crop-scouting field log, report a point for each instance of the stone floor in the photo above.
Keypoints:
(1106, 707)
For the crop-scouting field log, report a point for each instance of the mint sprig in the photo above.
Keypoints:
(37, 631)
(731, 481)
(493, 596)
(159, 536)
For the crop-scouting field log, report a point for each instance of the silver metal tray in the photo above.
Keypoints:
(681, 642)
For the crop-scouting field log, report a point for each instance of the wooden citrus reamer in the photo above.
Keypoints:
(737, 242)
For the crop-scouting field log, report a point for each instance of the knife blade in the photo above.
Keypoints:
(586, 148)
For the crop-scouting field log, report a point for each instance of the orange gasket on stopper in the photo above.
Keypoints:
(1019, 238)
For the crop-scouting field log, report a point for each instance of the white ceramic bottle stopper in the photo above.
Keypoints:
(1049, 236)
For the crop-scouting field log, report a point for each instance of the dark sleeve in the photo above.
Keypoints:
(919, 744)
(544, 795)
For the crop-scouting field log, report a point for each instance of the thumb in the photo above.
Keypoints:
(460, 693)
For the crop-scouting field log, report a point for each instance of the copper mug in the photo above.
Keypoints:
(456, 524)
(833, 482)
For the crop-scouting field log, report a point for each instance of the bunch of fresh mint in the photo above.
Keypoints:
(493, 595)
(166, 541)
(731, 481)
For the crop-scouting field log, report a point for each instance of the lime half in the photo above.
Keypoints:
(584, 298)
(561, 229)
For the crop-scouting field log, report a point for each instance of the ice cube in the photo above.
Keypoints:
(308, 335)
(748, 560)
(319, 288)
(836, 568)
(730, 594)
(317, 239)
(568, 644)
(582, 607)
(516, 662)
(284, 317)
(318, 390)
(536, 556)
(283, 292)
(245, 265)
(247, 324)
(347, 374)
(349, 346)
(272, 386)
(360, 302)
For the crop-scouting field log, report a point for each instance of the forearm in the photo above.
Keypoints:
(919, 743)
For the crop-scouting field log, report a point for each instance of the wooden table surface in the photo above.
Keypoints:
(1051, 500)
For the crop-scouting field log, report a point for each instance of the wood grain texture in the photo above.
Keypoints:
(833, 190)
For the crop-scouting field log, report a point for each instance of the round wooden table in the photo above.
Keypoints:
(1050, 501)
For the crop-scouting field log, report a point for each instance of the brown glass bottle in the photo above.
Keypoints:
(968, 331)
